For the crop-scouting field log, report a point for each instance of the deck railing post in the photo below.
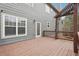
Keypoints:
(56, 28)
(75, 28)
(43, 33)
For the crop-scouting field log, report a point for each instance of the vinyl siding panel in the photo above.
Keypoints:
(0, 26)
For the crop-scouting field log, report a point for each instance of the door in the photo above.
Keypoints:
(38, 29)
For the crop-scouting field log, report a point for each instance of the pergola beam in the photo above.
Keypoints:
(69, 13)
(65, 11)
(51, 6)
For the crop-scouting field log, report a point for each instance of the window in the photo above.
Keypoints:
(62, 21)
(10, 25)
(21, 26)
(13, 26)
(47, 8)
(48, 24)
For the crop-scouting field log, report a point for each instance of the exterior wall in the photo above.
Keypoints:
(0, 26)
(37, 13)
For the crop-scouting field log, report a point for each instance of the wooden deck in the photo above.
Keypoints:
(39, 47)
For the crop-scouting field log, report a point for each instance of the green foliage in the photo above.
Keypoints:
(68, 23)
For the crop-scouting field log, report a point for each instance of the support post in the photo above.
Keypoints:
(75, 28)
(56, 28)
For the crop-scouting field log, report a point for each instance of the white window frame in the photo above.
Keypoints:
(25, 28)
(3, 27)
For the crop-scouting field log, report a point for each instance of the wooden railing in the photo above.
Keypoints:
(47, 33)
(50, 32)
(54, 32)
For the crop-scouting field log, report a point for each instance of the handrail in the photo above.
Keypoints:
(57, 31)
(54, 32)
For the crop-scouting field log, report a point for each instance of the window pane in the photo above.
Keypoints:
(21, 23)
(6, 20)
(10, 20)
(38, 28)
(21, 30)
(13, 20)
(10, 31)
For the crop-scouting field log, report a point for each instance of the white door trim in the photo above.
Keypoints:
(36, 29)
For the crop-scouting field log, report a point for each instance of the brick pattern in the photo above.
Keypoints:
(43, 46)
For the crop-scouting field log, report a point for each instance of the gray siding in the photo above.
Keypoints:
(36, 13)
(0, 26)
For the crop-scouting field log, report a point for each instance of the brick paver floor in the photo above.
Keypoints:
(43, 46)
